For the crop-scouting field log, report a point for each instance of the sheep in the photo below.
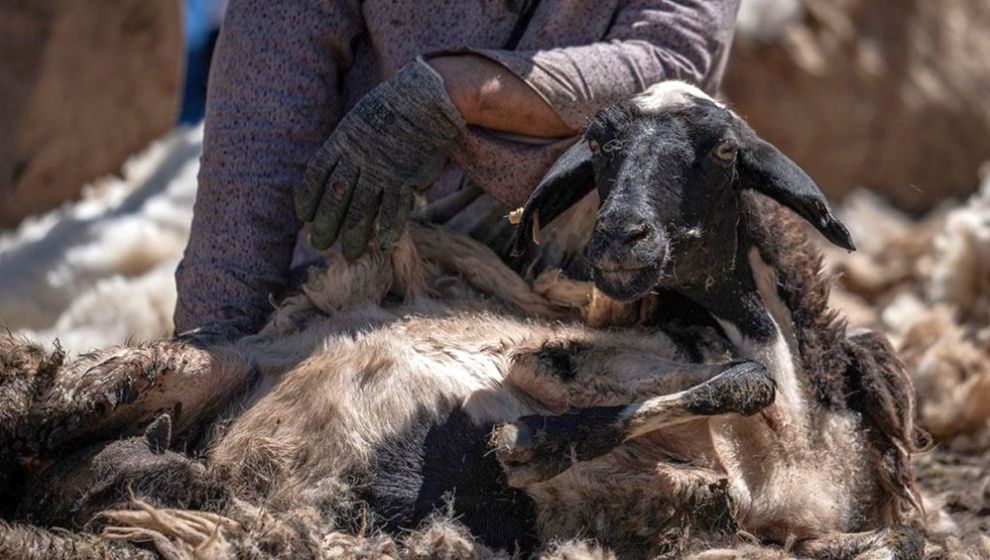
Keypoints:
(731, 400)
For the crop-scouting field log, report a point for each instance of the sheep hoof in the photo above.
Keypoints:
(536, 448)
(514, 446)
(745, 388)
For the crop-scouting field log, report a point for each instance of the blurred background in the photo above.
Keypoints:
(99, 132)
(886, 103)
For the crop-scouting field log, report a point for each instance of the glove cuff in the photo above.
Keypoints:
(430, 85)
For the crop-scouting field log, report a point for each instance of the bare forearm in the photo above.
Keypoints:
(488, 95)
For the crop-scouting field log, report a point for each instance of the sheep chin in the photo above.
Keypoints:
(627, 284)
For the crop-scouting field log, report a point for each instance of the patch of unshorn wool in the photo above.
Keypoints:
(767, 20)
(98, 271)
(926, 282)
(960, 275)
(665, 95)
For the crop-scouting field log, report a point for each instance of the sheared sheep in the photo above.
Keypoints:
(734, 400)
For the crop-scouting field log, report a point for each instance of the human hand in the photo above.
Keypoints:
(393, 142)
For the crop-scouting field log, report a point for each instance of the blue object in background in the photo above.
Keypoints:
(202, 24)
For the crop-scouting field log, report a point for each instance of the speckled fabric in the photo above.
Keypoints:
(285, 71)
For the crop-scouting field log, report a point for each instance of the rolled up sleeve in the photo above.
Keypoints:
(648, 41)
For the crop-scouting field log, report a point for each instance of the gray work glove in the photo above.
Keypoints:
(394, 141)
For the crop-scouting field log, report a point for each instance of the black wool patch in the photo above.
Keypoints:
(419, 472)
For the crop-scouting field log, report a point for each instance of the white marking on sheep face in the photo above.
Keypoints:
(666, 95)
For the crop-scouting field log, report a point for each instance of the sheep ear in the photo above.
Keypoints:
(570, 178)
(158, 434)
(763, 168)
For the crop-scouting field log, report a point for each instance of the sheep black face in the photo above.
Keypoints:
(670, 166)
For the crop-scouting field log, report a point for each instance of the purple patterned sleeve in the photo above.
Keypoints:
(648, 41)
(274, 96)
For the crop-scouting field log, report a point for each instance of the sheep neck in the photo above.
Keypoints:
(747, 306)
(734, 298)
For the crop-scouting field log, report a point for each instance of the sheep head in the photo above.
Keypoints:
(670, 166)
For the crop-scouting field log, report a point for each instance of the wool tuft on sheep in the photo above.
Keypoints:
(437, 381)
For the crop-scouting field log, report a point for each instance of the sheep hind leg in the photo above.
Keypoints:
(26, 371)
(535, 448)
(24, 542)
(118, 391)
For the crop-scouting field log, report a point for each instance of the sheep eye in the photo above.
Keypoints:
(725, 151)
(594, 146)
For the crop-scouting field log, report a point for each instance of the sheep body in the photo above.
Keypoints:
(749, 408)
(365, 373)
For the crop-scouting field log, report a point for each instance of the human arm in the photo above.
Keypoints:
(647, 41)
(533, 92)
(273, 98)
(396, 140)
(489, 96)
(549, 93)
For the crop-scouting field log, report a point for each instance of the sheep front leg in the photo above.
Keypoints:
(119, 390)
(569, 373)
(535, 448)
(891, 543)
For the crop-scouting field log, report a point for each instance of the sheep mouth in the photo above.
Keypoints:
(627, 284)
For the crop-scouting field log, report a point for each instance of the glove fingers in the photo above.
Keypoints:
(309, 192)
(333, 206)
(360, 220)
(396, 206)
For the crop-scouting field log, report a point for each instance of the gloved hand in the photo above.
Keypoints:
(394, 141)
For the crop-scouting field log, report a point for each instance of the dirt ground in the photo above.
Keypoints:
(958, 478)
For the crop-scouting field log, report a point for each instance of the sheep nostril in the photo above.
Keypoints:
(638, 232)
